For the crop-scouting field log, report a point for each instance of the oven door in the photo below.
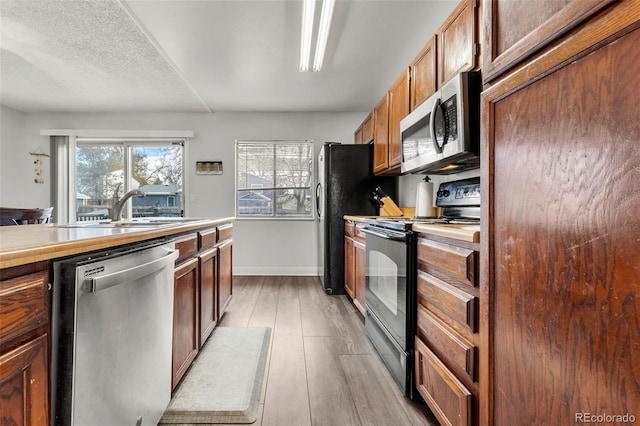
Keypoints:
(386, 280)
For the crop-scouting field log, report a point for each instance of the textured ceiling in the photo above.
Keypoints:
(202, 55)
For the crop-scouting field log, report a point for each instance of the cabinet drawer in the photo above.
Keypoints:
(23, 305)
(207, 238)
(187, 246)
(448, 398)
(449, 345)
(225, 232)
(458, 262)
(451, 301)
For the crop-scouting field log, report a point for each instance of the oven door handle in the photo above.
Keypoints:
(386, 234)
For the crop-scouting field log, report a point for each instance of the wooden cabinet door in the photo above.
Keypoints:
(185, 318)
(357, 136)
(563, 265)
(381, 135)
(359, 274)
(208, 265)
(225, 276)
(367, 129)
(458, 41)
(521, 31)
(423, 74)
(398, 109)
(24, 384)
(349, 267)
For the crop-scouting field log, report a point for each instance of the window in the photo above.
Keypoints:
(274, 179)
(105, 171)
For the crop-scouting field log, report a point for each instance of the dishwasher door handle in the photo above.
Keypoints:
(102, 282)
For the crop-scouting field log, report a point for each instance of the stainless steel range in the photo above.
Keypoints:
(391, 269)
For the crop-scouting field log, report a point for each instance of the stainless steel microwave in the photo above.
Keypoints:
(442, 135)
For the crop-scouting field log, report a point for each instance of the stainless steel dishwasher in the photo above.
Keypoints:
(111, 336)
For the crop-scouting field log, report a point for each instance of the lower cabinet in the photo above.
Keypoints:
(202, 291)
(24, 390)
(447, 338)
(24, 345)
(354, 264)
(208, 264)
(185, 319)
(225, 277)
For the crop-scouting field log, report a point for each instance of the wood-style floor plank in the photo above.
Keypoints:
(329, 395)
(287, 397)
(320, 361)
(313, 307)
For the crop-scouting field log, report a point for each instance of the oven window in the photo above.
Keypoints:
(384, 284)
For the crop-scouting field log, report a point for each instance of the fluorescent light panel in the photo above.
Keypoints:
(308, 10)
(323, 33)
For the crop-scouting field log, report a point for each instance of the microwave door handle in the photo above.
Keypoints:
(432, 125)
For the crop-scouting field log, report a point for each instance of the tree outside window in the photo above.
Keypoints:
(274, 179)
(100, 178)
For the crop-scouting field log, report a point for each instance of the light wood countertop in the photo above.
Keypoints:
(470, 233)
(20, 245)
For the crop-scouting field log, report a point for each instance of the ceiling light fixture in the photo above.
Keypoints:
(323, 33)
(326, 14)
(308, 9)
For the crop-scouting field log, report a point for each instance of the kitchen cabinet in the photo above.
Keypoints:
(225, 283)
(522, 31)
(208, 267)
(202, 291)
(24, 344)
(447, 334)
(423, 69)
(357, 136)
(398, 109)
(458, 39)
(185, 313)
(354, 264)
(381, 135)
(560, 208)
(364, 133)
(392, 108)
(367, 129)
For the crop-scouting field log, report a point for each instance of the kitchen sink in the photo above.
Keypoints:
(130, 223)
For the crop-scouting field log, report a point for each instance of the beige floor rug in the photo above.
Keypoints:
(224, 383)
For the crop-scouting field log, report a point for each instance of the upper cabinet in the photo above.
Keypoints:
(458, 38)
(381, 135)
(367, 129)
(538, 24)
(452, 49)
(398, 109)
(423, 74)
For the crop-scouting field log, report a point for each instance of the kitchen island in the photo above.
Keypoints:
(202, 290)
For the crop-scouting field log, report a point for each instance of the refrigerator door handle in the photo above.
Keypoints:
(318, 199)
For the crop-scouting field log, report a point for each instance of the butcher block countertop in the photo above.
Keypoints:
(470, 233)
(24, 244)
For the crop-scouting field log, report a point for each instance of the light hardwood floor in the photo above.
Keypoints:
(321, 370)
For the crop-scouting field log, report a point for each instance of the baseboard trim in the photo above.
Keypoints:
(288, 271)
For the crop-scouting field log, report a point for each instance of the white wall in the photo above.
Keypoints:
(17, 186)
(260, 246)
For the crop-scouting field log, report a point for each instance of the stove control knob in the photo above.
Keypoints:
(443, 193)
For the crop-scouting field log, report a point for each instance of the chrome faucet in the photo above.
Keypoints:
(116, 209)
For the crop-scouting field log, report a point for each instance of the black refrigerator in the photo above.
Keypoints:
(345, 185)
